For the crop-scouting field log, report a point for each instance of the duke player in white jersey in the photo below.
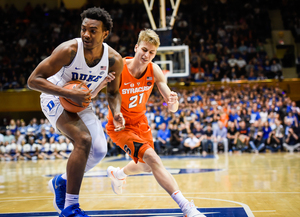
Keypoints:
(89, 60)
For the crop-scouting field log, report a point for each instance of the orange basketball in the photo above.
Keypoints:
(68, 104)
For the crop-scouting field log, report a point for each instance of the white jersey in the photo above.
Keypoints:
(79, 70)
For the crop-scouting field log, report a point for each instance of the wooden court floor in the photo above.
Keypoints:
(259, 185)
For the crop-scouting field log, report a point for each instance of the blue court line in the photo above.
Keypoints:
(209, 212)
(167, 157)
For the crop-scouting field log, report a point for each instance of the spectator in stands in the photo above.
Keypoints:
(257, 142)
(163, 139)
(53, 134)
(1, 138)
(23, 128)
(220, 138)
(175, 140)
(292, 119)
(19, 137)
(232, 135)
(207, 140)
(12, 126)
(276, 70)
(191, 144)
(243, 137)
(292, 140)
(8, 137)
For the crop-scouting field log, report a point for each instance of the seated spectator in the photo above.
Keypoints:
(15, 150)
(207, 141)
(232, 61)
(276, 70)
(264, 115)
(225, 79)
(243, 138)
(70, 146)
(163, 139)
(63, 147)
(19, 137)
(158, 119)
(292, 118)
(42, 135)
(1, 138)
(291, 142)
(150, 115)
(266, 131)
(255, 116)
(257, 142)
(8, 137)
(27, 153)
(275, 140)
(175, 140)
(23, 128)
(191, 144)
(45, 149)
(232, 134)
(54, 149)
(12, 126)
(6, 151)
(220, 138)
(53, 134)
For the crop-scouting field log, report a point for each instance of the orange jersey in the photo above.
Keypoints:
(135, 94)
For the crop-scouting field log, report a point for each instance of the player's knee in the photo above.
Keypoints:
(83, 142)
(151, 158)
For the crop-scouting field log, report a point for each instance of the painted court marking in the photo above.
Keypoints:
(243, 211)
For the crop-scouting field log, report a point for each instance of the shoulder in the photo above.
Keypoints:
(65, 52)
(156, 68)
(68, 46)
(114, 57)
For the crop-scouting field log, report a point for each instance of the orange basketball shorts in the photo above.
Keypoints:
(135, 139)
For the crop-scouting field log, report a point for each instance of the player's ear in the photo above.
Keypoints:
(135, 48)
(105, 34)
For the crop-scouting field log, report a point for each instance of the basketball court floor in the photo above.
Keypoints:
(221, 186)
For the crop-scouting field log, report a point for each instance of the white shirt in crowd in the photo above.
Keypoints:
(192, 142)
(263, 116)
(54, 146)
(26, 148)
(241, 63)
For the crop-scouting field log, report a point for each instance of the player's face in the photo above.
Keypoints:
(145, 52)
(92, 33)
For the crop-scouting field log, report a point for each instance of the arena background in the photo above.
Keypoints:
(268, 183)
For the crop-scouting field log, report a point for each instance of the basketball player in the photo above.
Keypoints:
(89, 60)
(138, 78)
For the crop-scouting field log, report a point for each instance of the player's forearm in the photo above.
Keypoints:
(45, 86)
(173, 107)
(98, 89)
(114, 102)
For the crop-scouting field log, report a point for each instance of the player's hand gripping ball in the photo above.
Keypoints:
(70, 105)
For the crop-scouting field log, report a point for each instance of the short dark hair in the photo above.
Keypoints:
(98, 14)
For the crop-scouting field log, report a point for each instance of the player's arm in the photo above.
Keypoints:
(63, 55)
(112, 91)
(169, 96)
(109, 78)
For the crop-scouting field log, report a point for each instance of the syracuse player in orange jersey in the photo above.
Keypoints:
(138, 77)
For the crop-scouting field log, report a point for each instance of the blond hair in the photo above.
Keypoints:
(148, 35)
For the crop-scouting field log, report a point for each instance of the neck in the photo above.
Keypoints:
(135, 68)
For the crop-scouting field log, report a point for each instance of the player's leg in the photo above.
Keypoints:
(145, 159)
(99, 144)
(75, 129)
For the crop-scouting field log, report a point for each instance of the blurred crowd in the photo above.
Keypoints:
(226, 38)
(210, 120)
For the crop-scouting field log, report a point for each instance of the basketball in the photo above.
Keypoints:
(68, 104)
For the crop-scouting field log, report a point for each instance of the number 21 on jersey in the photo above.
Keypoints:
(135, 100)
